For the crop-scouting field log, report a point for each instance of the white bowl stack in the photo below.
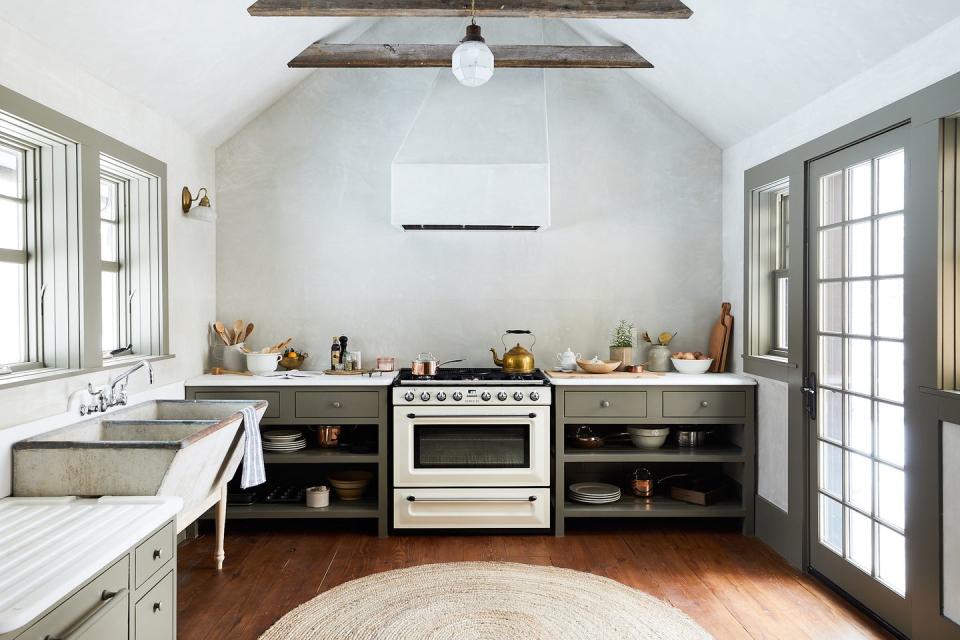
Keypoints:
(594, 492)
(284, 440)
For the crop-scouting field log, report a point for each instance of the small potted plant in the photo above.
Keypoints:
(621, 344)
(658, 357)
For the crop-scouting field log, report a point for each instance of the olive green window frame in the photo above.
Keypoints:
(768, 244)
(948, 257)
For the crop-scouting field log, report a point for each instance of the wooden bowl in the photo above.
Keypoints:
(607, 366)
(292, 363)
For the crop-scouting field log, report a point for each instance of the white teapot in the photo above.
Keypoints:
(568, 360)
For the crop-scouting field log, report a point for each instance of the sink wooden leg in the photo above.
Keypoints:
(221, 525)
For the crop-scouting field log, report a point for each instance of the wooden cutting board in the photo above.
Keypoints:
(728, 324)
(718, 338)
(600, 376)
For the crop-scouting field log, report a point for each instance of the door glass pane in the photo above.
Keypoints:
(831, 469)
(11, 225)
(890, 370)
(831, 361)
(831, 198)
(860, 482)
(831, 416)
(859, 365)
(890, 245)
(890, 445)
(831, 307)
(860, 190)
(860, 424)
(859, 540)
(831, 253)
(859, 250)
(11, 163)
(890, 308)
(891, 559)
(110, 311)
(13, 329)
(890, 183)
(860, 307)
(468, 447)
(890, 495)
(831, 523)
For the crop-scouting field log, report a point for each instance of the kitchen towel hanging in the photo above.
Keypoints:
(254, 472)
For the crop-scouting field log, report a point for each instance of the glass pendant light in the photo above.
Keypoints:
(473, 60)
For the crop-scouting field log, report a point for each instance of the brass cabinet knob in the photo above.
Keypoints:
(704, 403)
(337, 404)
(605, 403)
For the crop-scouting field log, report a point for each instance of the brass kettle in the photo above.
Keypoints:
(518, 360)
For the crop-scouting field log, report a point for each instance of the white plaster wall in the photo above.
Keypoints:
(306, 248)
(773, 455)
(52, 78)
(951, 521)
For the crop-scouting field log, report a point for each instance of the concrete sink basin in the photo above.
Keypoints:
(183, 448)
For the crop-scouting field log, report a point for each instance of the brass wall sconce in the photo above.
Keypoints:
(187, 199)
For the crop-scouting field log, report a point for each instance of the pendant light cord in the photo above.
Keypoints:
(473, 11)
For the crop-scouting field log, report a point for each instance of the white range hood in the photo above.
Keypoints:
(476, 158)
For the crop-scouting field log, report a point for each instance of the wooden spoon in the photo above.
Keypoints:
(247, 332)
(238, 331)
(222, 332)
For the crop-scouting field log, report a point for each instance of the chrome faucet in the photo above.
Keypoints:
(115, 393)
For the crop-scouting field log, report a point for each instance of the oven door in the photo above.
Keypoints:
(471, 446)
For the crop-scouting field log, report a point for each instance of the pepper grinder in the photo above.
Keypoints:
(343, 348)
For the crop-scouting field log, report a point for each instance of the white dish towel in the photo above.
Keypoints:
(253, 472)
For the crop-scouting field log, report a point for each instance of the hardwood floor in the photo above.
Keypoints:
(733, 586)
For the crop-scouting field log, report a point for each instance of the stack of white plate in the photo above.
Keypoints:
(284, 440)
(594, 492)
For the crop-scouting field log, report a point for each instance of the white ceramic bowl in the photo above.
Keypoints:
(260, 364)
(648, 438)
(692, 366)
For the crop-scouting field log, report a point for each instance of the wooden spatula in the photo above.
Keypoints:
(728, 337)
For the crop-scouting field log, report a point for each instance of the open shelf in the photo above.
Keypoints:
(321, 456)
(668, 453)
(338, 509)
(658, 507)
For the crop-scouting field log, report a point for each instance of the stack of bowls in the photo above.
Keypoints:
(648, 437)
(350, 485)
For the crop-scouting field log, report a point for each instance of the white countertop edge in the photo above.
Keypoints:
(310, 379)
(92, 559)
(668, 379)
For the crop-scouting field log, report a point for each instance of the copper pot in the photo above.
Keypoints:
(328, 437)
(426, 365)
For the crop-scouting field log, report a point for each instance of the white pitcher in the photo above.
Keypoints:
(568, 360)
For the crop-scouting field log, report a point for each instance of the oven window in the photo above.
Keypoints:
(439, 446)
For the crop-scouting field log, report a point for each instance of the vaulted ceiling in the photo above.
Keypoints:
(732, 69)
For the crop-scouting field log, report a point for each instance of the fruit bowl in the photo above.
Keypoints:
(601, 366)
(292, 363)
(692, 366)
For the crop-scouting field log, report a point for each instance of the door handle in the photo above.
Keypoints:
(416, 499)
(809, 391)
(108, 601)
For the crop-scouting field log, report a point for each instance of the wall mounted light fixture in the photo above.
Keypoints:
(202, 200)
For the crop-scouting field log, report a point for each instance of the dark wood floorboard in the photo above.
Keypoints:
(733, 586)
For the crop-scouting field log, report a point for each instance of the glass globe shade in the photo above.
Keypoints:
(473, 63)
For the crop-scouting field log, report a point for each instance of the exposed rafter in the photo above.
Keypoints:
(485, 8)
(321, 55)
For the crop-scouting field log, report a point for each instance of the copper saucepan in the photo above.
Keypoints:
(426, 365)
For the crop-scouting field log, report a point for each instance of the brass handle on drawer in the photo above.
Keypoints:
(605, 404)
(157, 606)
(109, 600)
(704, 403)
(337, 404)
(157, 554)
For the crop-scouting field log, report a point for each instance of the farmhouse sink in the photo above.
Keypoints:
(188, 449)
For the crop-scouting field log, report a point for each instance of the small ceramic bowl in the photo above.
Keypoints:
(692, 366)
(350, 485)
(604, 366)
(260, 364)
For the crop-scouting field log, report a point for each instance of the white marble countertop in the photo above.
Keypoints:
(667, 379)
(278, 379)
(51, 546)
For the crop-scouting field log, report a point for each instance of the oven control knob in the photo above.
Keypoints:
(485, 396)
(502, 396)
(424, 396)
(457, 396)
(534, 396)
(517, 396)
(408, 396)
(441, 396)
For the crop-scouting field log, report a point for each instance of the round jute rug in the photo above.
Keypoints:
(484, 600)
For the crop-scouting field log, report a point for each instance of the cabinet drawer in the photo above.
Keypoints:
(99, 617)
(153, 553)
(272, 398)
(605, 404)
(704, 404)
(153, 614)
(337, 404)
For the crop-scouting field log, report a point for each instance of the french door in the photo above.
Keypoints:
(856, 352)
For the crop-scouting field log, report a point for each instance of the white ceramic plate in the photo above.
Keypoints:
(595, 489)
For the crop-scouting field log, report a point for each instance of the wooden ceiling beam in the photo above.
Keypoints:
(366, 56)
(485, 8)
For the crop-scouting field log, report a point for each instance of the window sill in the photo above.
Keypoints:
(38, 376)
(943, 393)
(773, 367)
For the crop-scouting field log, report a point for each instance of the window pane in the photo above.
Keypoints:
(859, 540)
(890, 444)
(831, 469)
(860, 307)
(831, 253)
(831, 361)
(110, 310)
(12, 234)
(831, 415)
(10, 171)
(860, 482)
(890, 246)
(831, 523)
(859, 361)
(108, 241)
(858, 249)
(890, 183)
(860, 424)
(831, 307)
(108, 200)
(860, 191)
(831, 198)
(13, 329)
(890, 496)
(891, 559)
(890, 308)
(890, 371)
(783, 294)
